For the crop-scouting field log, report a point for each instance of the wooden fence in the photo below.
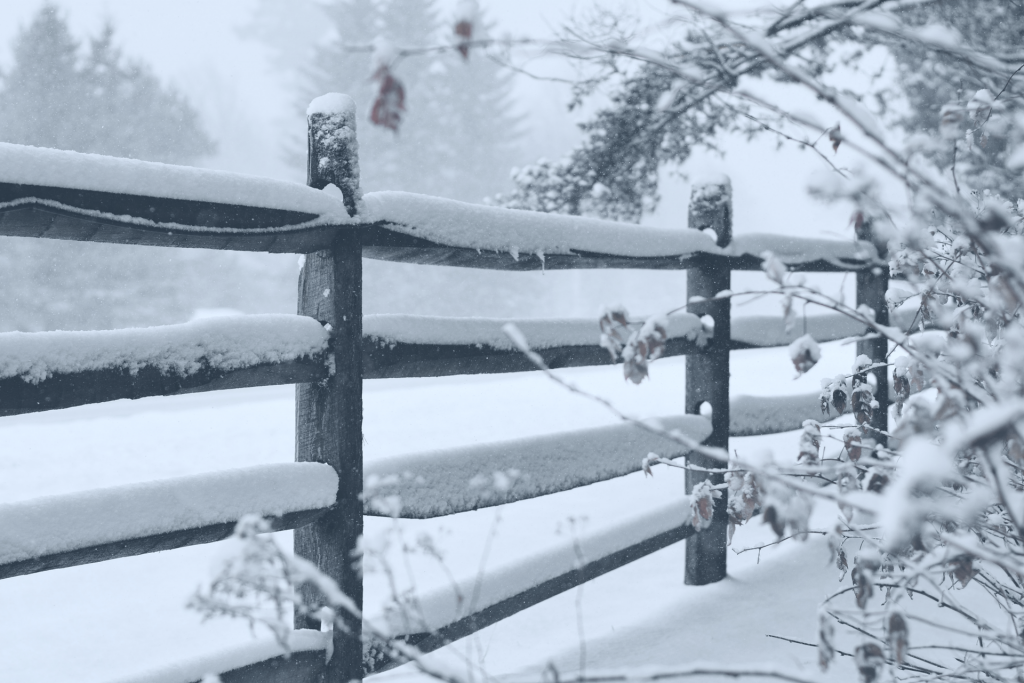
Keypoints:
(62, 195)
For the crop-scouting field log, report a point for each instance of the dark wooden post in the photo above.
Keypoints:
(871, 287)
(707, 374)
(329, 414)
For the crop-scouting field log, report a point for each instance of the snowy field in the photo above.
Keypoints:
(116, 620)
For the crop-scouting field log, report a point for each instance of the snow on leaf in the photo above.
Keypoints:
(645, 464)
(865, 566)
(744, 499)
(615, 330)
(645, 345)
(773, 268)
(804, 352)
(702, 505)
(810, 443)
(853, 443)
(870, 662)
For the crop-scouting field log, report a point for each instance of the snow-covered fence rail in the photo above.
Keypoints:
(56, 194)
(330, 348)
(105, 524)
(53, 370)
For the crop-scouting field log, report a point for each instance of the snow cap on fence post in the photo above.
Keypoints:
(711, 207)
(333, 149)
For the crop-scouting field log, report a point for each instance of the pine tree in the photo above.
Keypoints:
(101, 104)
(42, 96)
(55, 97)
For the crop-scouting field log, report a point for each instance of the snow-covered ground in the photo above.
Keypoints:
(109, 621)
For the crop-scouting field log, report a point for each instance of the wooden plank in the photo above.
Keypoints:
(707, 378)
(67, 390)
(383, 360)
(376, 659)
(276, 231)
(441, 360)
(444, 482)
(147, 544)
(329, 414)
(384, 244)
(299, 667)
(58, 213)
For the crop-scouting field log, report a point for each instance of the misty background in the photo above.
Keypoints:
(224, 85)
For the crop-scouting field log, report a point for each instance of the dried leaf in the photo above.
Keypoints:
(863, 403)
(771, 516)
(810, 443)
(774, 268)
(835, 136)
(743, 500)
(464, 30)
(836, 551)
(839, 398)
(645, 464)
(702, 505)
(788, 313)
(853, 443)
(466, 13)
(870, 662)
(645, 345)
(876, 481)
(863, 589)
(963, 569)
(804, 353)
(863, 576)
(390, 101)
(826, 640)
(897, 637)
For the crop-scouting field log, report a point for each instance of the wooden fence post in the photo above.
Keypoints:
(707, 374)
(329, 414)
(871, 287)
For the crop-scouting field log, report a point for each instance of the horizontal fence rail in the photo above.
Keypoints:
(105, 524)
(455, 480)
(37, 374)
(66, 195)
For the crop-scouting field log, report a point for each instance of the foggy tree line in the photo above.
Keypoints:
(459, 140)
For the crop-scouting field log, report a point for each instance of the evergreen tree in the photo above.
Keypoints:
(55, 97)
(101, 104)
(42, 96)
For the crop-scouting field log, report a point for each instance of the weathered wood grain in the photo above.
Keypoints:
(89, 216)
(384, 244)
(707, 378)
(329, 413)
(388, 360)
(67, 390)
(146, 544)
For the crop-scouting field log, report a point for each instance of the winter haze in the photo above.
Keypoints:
(245, 66)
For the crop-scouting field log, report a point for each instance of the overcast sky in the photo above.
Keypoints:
(247, 105)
